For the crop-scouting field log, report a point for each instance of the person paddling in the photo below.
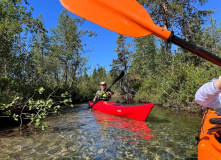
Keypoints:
(209, 94)
(103, 94)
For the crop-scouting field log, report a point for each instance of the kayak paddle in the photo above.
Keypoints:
(117, 79)
(128, 17)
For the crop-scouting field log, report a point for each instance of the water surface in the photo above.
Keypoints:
(81, 133)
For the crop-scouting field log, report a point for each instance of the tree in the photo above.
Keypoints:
(123, 53)
(39, 53)
(67, 47)
(181, 16)
(121, 63)
(18, 31)
(16, 24)
(143, 59)
(212, 38)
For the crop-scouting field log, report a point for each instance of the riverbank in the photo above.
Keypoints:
(193, 108)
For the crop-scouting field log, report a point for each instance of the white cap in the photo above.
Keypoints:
(103, 83)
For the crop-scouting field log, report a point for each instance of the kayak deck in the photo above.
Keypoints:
(209, 146)
(135, 112)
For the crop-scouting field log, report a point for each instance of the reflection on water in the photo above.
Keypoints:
(133, 129)
(80, 133)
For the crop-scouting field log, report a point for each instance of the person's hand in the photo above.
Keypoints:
(112, 92)
(108, 90)
(218, 82)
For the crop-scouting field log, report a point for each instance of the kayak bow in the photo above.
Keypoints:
(209, 146)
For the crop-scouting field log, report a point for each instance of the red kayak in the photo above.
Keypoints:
(135, 112)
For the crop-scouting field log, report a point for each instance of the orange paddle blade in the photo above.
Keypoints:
(126, 17)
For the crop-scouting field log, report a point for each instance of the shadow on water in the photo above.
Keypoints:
(82, 133)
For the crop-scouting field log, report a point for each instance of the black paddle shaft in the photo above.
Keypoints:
(193, 48)
(117, 79)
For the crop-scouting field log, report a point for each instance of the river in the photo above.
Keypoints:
(82, 133)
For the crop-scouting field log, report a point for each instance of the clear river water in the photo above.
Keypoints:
(85, 134)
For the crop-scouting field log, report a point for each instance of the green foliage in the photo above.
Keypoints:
(168, 75)
(177, 85)
(36, 68)
(35, 109)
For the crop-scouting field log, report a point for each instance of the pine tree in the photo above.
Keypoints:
(67, 47)
(122, 62)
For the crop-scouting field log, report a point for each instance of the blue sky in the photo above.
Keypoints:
(104, 43)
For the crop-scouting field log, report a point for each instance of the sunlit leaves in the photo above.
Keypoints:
(44, 107)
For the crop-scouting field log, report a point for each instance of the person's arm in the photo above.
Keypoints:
(110, 91)
(208, 95)
(96, 96)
